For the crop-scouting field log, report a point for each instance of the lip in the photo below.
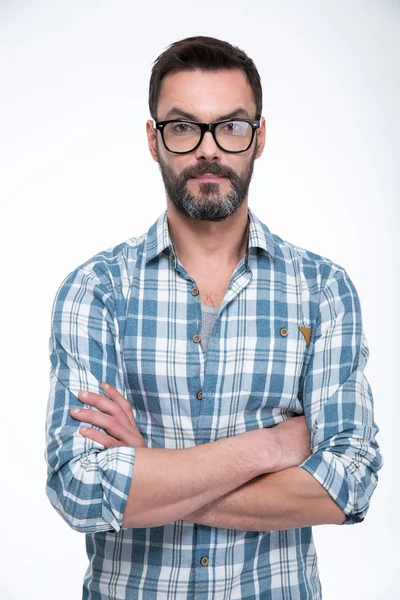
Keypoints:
(210, 177)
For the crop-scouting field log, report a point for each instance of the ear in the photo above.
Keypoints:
(151, 133)
(261, 136)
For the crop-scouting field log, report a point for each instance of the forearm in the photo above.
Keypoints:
(168, 484)
(283, 500)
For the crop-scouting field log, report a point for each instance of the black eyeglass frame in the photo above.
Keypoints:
(255, 124)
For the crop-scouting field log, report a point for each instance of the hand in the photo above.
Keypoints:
(116, 418)
(290, 443)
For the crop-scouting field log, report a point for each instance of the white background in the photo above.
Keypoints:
(77, 178)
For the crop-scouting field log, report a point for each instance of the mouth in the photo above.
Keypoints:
(209, 177)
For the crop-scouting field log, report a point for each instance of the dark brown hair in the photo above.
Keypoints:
(205, 54)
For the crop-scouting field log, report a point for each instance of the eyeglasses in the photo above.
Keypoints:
(230, 135)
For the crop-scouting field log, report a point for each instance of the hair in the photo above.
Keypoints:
(204, 54)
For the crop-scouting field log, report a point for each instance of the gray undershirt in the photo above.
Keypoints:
(208, 316)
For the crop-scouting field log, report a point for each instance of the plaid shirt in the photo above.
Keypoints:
(287, 341)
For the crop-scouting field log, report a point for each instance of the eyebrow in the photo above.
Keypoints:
(239, 112)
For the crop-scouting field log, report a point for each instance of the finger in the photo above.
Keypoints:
(119, 399)
(102, 438)
(104, 404)
(106, 422)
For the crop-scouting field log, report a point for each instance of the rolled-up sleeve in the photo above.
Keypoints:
(338, 402)
(87, 484)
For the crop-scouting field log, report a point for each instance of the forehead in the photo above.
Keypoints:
(208, 95)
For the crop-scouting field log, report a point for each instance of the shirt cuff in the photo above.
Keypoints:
(330, 472)
(115, 473)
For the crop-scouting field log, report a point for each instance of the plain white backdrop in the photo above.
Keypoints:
(77, 178)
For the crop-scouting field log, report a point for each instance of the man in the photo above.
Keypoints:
(227, 409)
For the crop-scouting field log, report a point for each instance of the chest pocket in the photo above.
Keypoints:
(275, 366)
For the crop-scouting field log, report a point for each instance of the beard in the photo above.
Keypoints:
(209, 204)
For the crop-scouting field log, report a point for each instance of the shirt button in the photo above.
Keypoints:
(171, 255)
(199, 395)
(195, 291)
(196, 338)
(284, 331)
(204, 561)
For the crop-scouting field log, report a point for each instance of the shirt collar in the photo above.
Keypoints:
(158, 239)
(259, 235)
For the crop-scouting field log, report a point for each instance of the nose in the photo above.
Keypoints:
(208, 149)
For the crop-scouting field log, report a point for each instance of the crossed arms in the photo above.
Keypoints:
(243, 482)
(206, 484)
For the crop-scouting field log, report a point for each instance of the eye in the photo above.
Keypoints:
(182, 128)
(234, 127)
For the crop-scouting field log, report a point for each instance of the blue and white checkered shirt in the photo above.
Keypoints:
(288, 340)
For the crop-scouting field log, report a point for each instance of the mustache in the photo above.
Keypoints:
(211, 169)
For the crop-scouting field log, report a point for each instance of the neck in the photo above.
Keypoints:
(197, 242)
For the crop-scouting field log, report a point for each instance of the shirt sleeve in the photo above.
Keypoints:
(87, 484)
(338, 403)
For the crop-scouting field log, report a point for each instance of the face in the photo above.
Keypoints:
(207, 97)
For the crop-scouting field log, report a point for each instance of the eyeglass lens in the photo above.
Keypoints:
(183, 137)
